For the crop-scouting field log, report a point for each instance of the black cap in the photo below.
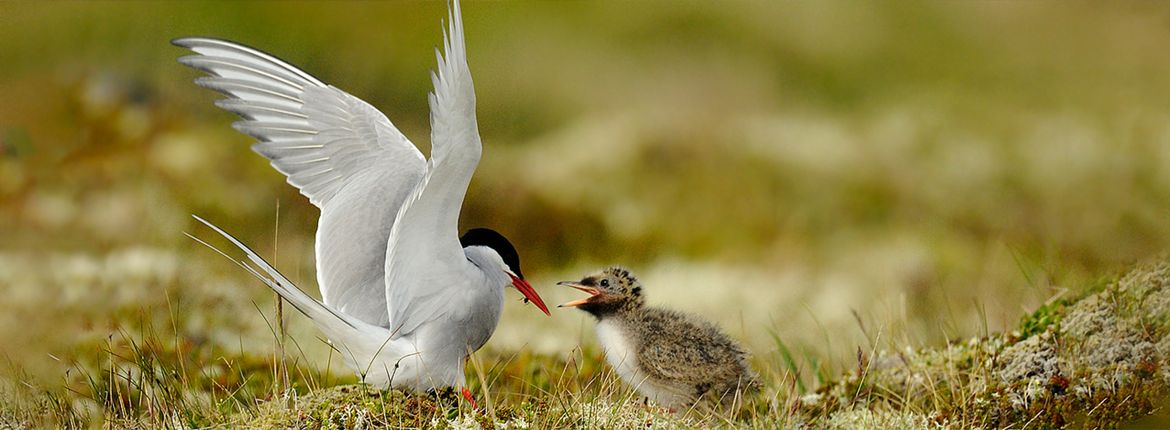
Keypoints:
(497, 242)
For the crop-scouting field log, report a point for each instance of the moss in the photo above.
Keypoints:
(348, 407)
(1097, 361)
(365, 407)
(1042, 319)
(883, 419)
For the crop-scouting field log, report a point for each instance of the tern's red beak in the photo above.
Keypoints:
(529, 293)
(593, 292)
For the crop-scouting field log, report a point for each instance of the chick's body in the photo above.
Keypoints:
(673, 358)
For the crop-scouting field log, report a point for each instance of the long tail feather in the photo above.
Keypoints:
(333, 323)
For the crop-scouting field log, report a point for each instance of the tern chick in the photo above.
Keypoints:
(672, 358)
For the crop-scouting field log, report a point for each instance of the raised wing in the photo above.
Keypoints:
(425, 259)
(314, 133)
(342, 154)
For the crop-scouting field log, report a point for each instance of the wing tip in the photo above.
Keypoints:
(183, 42)
(200, 44)
(192, 61)
(192, 42)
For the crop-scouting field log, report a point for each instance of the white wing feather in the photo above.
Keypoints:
(425, 264)
(316, 134)
(342, 153)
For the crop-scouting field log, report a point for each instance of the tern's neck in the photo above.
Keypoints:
(489, 262)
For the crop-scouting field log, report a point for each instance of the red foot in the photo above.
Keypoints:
(470, 398)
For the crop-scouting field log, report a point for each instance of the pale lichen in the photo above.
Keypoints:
(1099, 360)
(350, 407)
(1027, 368)
(859, 419)
(628, 415)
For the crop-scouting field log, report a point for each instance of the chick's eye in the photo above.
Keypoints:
(605, 282)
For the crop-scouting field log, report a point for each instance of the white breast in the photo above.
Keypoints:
(619, 352)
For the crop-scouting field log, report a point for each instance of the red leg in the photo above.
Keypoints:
(470, 398)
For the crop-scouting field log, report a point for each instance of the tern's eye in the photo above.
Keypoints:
(605, 282)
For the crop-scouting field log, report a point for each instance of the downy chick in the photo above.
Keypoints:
(672, 358)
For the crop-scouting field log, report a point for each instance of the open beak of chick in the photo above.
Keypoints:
(593, 293)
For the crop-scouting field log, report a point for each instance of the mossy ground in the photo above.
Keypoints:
(1097, 360)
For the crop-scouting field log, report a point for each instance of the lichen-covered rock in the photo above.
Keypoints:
(1095, 361)
(1027, 368)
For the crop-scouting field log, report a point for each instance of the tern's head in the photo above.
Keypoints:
(611, 290)
(508, 257)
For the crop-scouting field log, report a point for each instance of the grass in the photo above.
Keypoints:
(1095, 359)
(149, 381)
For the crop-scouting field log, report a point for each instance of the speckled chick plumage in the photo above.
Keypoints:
(673, 358)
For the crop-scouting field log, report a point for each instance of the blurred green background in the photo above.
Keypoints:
(838, 174)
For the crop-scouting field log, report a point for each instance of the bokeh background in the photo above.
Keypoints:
(816, 177)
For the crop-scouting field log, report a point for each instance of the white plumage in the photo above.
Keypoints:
(404, 300)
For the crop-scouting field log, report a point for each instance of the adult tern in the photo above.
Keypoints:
(406, 299)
